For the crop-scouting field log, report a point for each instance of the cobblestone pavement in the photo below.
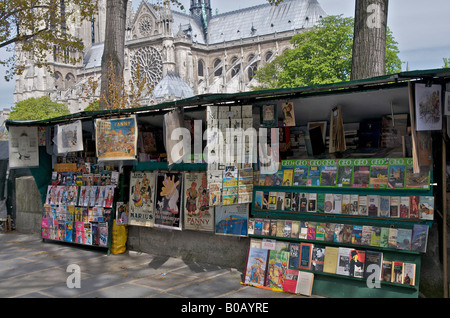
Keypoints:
(32, 268)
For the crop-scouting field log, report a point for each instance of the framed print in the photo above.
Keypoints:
(288, 114)
(232, 219)
(428, 107)
(23, 147)
(116, 139)
(269, 117)
(142, 199)
(197, 213)
(69, 138)
(168, 200)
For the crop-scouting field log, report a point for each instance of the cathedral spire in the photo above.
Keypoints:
(201, 11)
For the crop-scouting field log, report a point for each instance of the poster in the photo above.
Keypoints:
(122, 213)
(116, 139)
(69, 138)
(269, 117)
(231, 220)
(428, 107)
(168, 200)
(23, 147)
(141, 201)
(288, 114)
(197, 213)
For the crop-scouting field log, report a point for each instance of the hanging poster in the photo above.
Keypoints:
(122, 213)
(69, 138)
(23, 147)
(141, 201)
(116, 139)
(168, 200)
(269, 117)
(428, 107)
(197, 213)
(232, 219)
(288, 114)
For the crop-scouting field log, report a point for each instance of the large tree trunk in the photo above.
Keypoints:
(114, 49)
(369, 43)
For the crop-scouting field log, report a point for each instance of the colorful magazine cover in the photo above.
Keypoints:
(168, 200)
(232, 220)
(426, 207)
(197, 213)
(276, 269)
(344, 176)
(103, 234)
(328, 176)
(379, 176)
(396, 179)
(255, 272)
(361, 176)
(141, 199)
(45, 227)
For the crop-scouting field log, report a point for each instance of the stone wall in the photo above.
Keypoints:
(28, 206)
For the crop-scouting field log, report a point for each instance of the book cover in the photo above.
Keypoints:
(392, 241)
(414, 201)
(328, 176)
(396, 179)
(362, 205)
(378, 176)
(280, 228)
(294, 255)
(295, 229)
(320, 206)
(320, 231)
(62, 230)
(295, 201)
(384, 237)
(375, 238)
(330, 259)
(317, 258)
(258, 200)
(404, 207)
(345, 204)
(69, 231)
(88, 233)
(347, 234)
(329, 231)
(394, 208)
(385, 203)
(305, 256)
(357, 234)
(95, 234)
(366, 235)
(354, 204)
(426, 209)
(273, 200)
(266, 227)
(259, 223)
(287, 228)
(314, 176)
(305, 283)
(276, 269)
(404, 239)
(251, 226)
(344, 176)
(311, 235)
(79, 232)
(303, 230)
(288, 176)
(373, 205)
(290, 281)
(300, 175)
(419, 238)
(343, 264)
(338, 233)
(303, 203)
(329, 202)
(312, 201)
(337, 203)
(397, 272)
(288, 201)
(280, 201)
(373, 260)
(45, 228)
(409, 274)
(103, 234)
(255, 271)
(386, 271)
(361, 176)
(357, 260)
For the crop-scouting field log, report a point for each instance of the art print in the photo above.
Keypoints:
(23, 147)
(142, 198)
(168, 200)
(69, 138)
(428, 107)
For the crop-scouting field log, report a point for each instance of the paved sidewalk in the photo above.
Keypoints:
(31, 268)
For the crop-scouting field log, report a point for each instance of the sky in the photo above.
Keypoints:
(420, 28)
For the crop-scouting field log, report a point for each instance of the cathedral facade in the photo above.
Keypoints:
(181, 54)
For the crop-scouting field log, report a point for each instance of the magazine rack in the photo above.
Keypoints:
(335, 285)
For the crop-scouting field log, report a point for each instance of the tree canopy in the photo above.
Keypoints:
(39, 28)
(37, 109)
(321, 55)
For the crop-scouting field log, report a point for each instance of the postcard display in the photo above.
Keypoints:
(81, 197)
(360, 225)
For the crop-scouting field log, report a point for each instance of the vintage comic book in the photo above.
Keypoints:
(256, 267)
(276, 269)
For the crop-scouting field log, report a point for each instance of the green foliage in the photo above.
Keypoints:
(321, 55)
(446, 62)
(38, 109)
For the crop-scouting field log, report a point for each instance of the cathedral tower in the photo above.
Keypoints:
(201, 11)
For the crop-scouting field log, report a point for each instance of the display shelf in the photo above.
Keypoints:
(153, 166)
